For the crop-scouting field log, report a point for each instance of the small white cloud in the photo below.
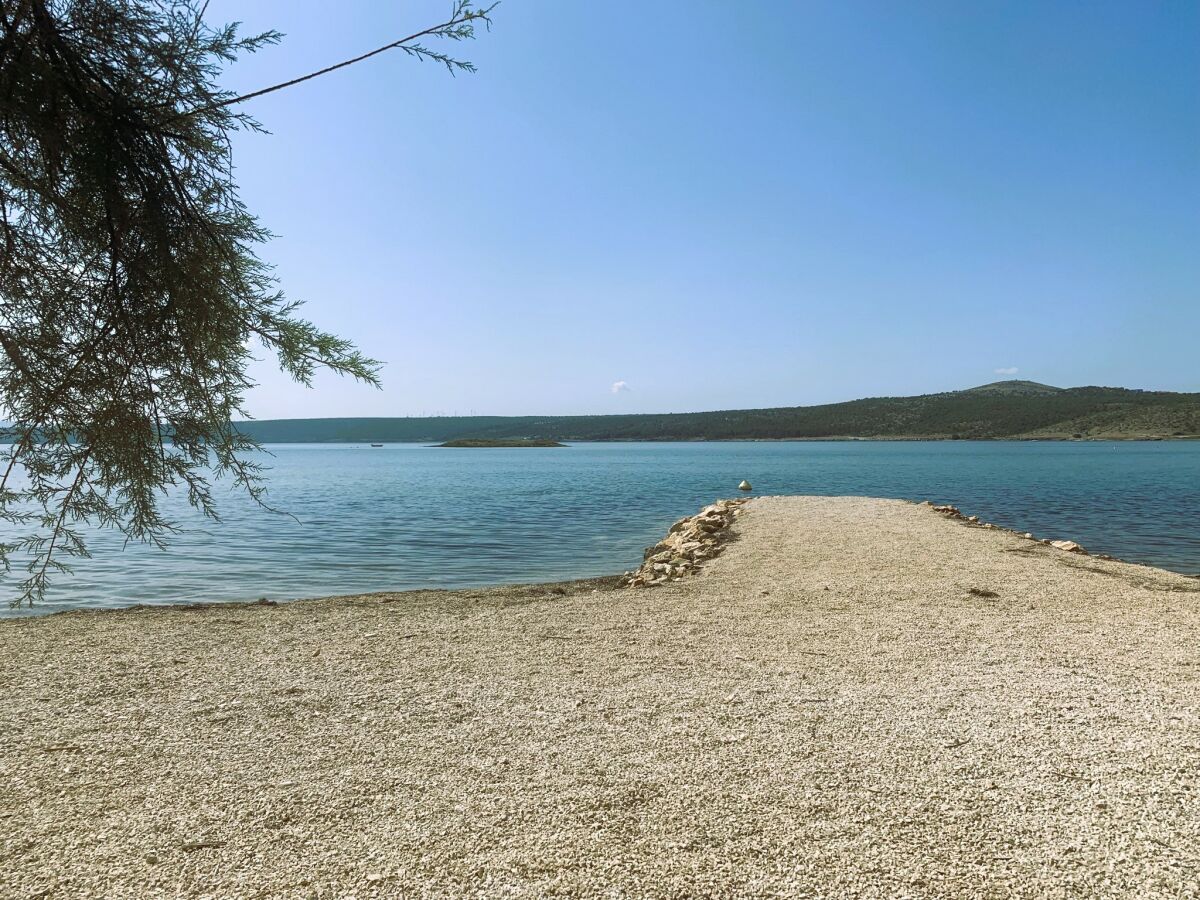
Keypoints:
(619, 387)
(1007, 370)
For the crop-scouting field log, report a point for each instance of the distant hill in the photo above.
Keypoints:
(1005, 409)
(1014, 387)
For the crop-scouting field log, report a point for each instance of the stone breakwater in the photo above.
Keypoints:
(694, 539)
(689, 542)
(953, 512)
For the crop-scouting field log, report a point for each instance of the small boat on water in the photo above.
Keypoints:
(377, 445)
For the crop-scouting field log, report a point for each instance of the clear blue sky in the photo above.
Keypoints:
(727, 204)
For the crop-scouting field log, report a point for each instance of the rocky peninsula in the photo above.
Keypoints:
(837, 697)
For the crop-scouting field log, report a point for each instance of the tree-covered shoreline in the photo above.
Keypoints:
(1001, 411)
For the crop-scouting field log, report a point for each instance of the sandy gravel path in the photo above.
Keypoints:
(826, 710)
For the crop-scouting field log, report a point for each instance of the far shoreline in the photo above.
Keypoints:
(845, 439)
(497, 444)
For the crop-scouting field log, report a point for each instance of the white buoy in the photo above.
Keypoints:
(745, 486)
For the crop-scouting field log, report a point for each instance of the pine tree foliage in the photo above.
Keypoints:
(131, 289)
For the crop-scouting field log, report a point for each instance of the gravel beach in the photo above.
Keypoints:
(858, 698)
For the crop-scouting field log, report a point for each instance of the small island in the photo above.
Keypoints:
(501, 442)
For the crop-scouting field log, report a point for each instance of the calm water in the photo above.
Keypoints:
(408, 516)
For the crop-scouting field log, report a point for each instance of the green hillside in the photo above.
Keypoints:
(1005, 409)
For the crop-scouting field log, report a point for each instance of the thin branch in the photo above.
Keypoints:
(37, 582)
(463, 15)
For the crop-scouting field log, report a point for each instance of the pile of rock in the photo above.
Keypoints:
(953, 512)
(1069, 546)
(688, 543)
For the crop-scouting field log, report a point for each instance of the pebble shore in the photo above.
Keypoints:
(851, 698)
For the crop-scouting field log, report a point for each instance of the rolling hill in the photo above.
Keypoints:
(1004, 409)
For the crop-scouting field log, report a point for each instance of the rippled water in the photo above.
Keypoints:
(408, 516)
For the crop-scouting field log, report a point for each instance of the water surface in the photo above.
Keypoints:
(410, 516)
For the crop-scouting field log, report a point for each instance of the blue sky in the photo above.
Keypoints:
(731, 204)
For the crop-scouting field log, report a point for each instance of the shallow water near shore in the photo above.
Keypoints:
(407, 516)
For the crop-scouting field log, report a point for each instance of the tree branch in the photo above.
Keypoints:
(463, 15)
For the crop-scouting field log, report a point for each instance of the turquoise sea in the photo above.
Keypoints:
(411, 516)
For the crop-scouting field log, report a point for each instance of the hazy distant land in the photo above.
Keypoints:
(1003, 410)
(478, 443)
